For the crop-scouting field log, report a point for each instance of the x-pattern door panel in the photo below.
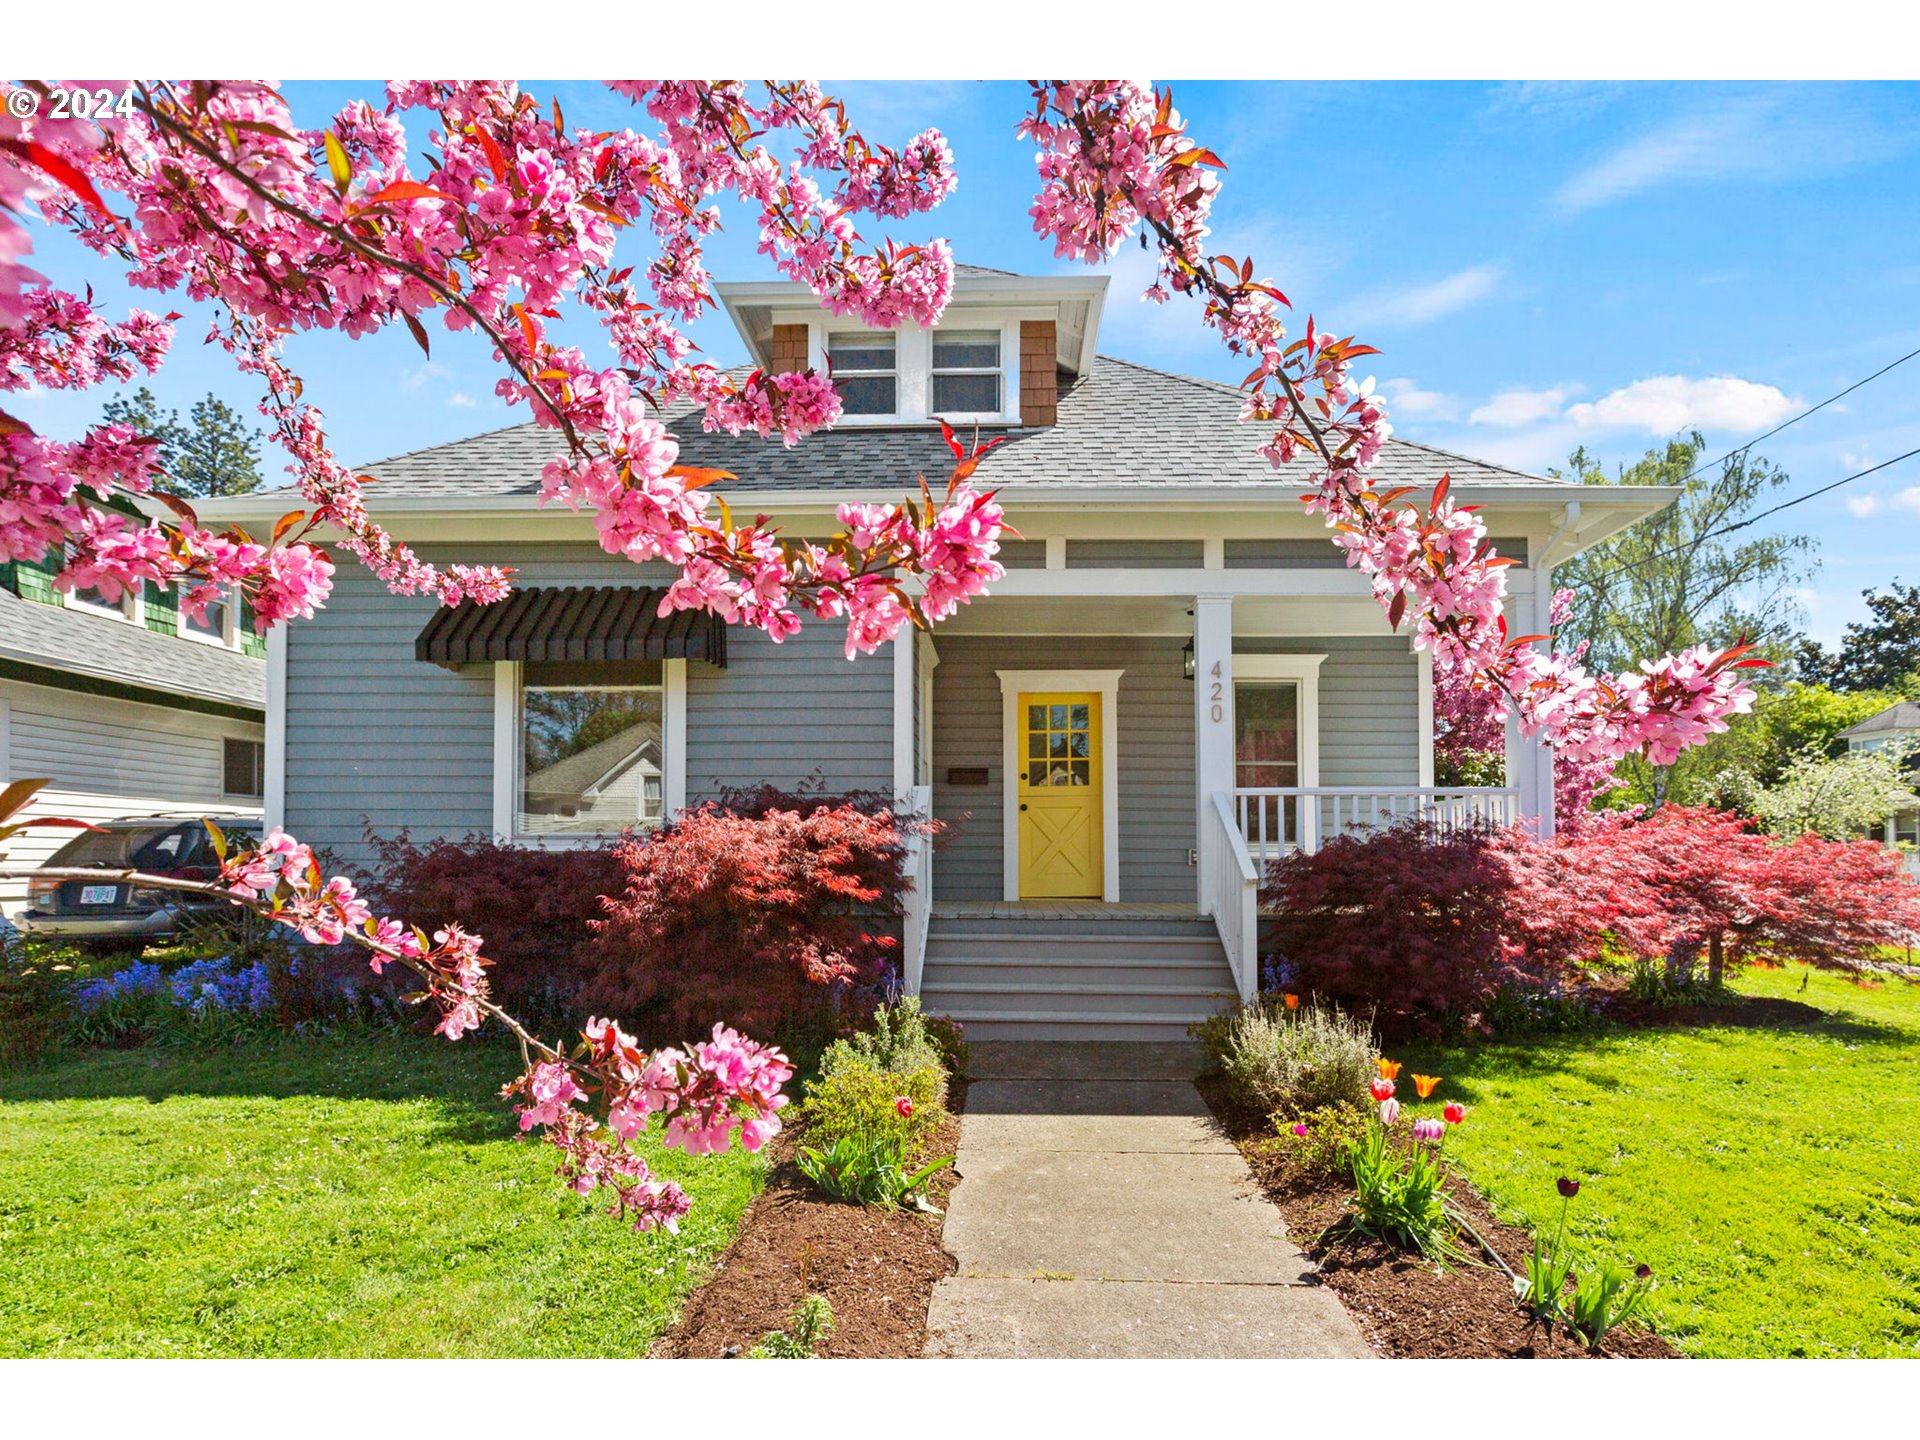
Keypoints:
(1061, 841)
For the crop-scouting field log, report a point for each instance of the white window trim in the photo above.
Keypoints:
(913, 362)
(507, 757)
(818, 341)
(229, 636)
(1106, 684)
(976, 417)
(1304, 671)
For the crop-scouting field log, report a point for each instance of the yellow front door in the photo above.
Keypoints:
(1062, 846)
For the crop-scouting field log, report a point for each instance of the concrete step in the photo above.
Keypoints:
(1127, 949)
(1188, 1002)
(1046, 1025)
(1076, 970)
(1089, 926)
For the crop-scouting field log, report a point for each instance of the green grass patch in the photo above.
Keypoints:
(349, 1195)
(1771, 1176)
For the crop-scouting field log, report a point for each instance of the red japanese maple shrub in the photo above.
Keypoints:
(534, 907)
(762, 921)
(1706, 880)
(1430, 921)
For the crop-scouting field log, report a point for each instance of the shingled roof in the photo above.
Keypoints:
(1123, 425)
(98, 646)
(1902, 715)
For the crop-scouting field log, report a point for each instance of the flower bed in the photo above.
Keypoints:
(876, 1267)
(1407, 1308)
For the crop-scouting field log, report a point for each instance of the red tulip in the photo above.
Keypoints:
(1381, 1089)
(1455, 1112)
(903, 1106)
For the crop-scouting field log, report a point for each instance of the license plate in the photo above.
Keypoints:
(99, 894)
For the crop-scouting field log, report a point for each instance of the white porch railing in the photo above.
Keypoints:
(1276, 821)
(1233, 893)
(918, 904)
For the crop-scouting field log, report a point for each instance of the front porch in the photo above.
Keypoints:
(1092, 783)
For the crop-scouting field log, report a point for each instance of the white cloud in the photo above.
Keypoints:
(1666, 404)
(1909, 499)
(1861, 506)
(422, 376)
(460, 400)
(1512, 408)
(1406, 400)
(1781, 133)
(1423, 304)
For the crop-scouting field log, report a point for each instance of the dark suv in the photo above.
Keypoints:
(114, 914)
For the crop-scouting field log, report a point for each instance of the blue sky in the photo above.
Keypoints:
(1544, 266)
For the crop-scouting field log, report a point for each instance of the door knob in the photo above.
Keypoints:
(1023, 804)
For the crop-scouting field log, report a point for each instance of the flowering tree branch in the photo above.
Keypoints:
(1115, 160)
(710, 1092)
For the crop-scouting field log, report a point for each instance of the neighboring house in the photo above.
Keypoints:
(1177, 677)
(129, 708)
(1894, 731)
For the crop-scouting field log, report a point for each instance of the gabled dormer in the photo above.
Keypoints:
(999, 356)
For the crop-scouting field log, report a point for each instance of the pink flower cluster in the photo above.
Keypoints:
(1115, 158)
(501, 219)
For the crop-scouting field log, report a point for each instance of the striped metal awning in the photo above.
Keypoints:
(571, 623)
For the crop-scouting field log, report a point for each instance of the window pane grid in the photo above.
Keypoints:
(1059, 745)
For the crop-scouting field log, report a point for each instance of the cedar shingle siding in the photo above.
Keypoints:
(789, 348)
(1039, 385)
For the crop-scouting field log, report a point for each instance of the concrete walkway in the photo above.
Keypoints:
(1101, 1213)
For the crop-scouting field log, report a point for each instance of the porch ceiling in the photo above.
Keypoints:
(1162, 615)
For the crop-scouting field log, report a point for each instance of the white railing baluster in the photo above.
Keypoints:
(1258, 814)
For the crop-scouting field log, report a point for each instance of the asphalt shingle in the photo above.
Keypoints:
(108, 649)
(1124, 425)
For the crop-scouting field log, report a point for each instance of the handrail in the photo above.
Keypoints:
(1235, 895)
(917, 903)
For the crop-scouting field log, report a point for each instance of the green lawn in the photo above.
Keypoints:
(1770, 1176)
(350, 1195)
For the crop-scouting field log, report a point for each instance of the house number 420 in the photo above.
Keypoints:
(1219, 696)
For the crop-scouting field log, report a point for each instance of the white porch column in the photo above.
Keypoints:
(1212, 725)
(904, 734)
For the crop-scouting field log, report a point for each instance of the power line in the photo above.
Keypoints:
(1755, 519)
(1741, 450)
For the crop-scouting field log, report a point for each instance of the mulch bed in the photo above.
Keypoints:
(876, 1267)
(1406, 1309)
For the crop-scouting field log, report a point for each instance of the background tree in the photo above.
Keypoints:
(215, 453)
(1878, 654)
(1679, 578)
(1836, 797)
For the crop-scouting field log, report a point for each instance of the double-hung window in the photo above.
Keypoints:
(967, 376)
(592, 758)
(865, 371)
(214, 623)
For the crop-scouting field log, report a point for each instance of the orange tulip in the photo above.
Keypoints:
(1389, 1069)
(1293, 1001)
(1425, 1085)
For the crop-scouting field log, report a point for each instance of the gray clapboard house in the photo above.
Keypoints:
(128, 707)
(1177, 678)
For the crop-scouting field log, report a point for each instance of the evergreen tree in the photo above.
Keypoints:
(215, 453)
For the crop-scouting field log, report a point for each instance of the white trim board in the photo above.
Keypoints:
(273, 802)
(1106, 684)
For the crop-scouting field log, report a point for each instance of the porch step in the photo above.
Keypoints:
(1075, 978)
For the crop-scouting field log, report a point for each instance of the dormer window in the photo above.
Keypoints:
(966, 372)
(214, 624)
(865, 371)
